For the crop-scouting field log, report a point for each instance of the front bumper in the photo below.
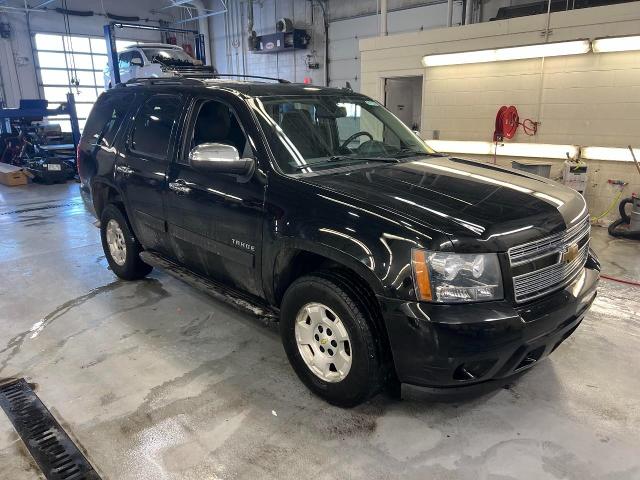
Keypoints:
(454, 345)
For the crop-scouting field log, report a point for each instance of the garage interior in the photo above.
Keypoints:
(154, 379)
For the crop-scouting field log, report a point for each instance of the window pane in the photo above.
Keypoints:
(153, 125)
(87, 94)
(85, 78)
(54, 77)
(78, 44)
(83, 109)
(49, 42)
(106, 118)
(98, 45)
(100, 62)
(49, 59)
(100, 81)
(79, 60)
(56, 94)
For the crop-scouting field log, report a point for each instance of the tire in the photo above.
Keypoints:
(325, 296)
(125, 261)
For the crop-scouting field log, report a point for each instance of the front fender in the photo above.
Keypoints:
(374, 244)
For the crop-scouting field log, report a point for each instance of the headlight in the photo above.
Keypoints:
(456, 277)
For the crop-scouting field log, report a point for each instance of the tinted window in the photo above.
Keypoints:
(105, 119)
(138, 56)
(153, 124)
(218, 123)
(124, 59)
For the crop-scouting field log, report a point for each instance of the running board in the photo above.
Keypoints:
(231, 296)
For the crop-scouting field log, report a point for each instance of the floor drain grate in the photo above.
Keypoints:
(56, 455)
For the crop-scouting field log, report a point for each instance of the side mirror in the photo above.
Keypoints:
(136, 62)
(220, 158)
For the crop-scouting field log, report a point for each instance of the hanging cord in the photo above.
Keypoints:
(73, 77)
(595, 218)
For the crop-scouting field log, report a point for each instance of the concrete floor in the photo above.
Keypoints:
(156, 380)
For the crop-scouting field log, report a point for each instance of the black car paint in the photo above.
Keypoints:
(367, 219)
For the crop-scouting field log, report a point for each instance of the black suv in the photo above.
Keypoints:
(384, 261)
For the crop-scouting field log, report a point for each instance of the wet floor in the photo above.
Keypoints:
(155, 380)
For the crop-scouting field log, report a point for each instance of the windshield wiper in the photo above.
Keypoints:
(337, 158)
(408, 152)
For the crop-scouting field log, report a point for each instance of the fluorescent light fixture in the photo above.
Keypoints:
(553, 49)
(616, 44)
(608, 153)
(451, 146)
(537, 150)
(533, 150)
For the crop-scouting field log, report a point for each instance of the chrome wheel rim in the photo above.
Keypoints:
(323, 342)
(116, 243)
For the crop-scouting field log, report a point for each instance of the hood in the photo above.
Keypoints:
(478, 205)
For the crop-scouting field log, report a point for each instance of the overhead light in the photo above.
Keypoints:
(609, 153)
(533, 150)
(554, 49)
(616, 44)
(451, 146)
(537, 150)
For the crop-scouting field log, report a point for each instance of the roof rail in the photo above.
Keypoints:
(187, 79)
(279, 80)
(161, 81)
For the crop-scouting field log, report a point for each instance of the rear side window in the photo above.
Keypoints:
(151, 132)
(105, 119)
(124, 59)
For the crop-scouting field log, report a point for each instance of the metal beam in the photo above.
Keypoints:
(210, 13)
(175, 3)
(46, 2)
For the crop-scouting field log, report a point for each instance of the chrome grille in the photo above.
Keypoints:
(541, 281)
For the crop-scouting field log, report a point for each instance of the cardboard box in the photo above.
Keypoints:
(12, 176)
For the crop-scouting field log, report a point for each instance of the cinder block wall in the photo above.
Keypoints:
(591, 99)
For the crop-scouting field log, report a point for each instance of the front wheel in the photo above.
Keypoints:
(329, 340)
(120, 246)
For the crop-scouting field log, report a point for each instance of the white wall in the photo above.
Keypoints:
(590, 99)
(229, 40)
(344, 36)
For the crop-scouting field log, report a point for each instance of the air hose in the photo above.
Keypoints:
(625, 219)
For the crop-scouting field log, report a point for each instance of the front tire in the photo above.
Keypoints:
(120, 246)
(329, 340)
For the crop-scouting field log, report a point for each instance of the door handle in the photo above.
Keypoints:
(124, 169)
(179, 186)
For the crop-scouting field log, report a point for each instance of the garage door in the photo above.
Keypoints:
(71, 63)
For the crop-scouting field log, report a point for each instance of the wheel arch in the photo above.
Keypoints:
(297, 258)
(103, 193)
(296, 261)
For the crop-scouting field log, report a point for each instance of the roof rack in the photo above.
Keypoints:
(161, 81)
(279, 80)
(191, 78)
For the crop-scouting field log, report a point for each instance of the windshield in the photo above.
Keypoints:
(169, 56)
(320, 132)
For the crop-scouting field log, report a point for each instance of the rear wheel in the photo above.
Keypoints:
(329, 340)
(120, 246)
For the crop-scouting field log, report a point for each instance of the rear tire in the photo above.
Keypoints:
(330, 341)
(121, 248)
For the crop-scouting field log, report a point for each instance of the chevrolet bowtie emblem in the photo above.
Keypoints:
(569, 254)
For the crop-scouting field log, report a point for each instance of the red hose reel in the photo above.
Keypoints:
(507, 122)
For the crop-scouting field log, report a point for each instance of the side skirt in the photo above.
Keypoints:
(240, 300)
